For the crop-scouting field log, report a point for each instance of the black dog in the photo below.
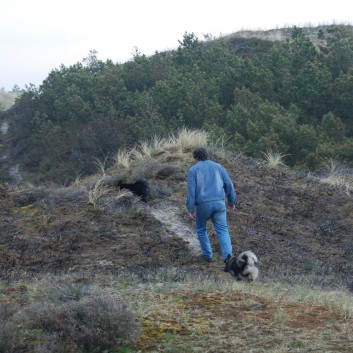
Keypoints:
(139, 188)
(243, 266)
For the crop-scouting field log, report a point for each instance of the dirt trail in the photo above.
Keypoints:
(177, 223)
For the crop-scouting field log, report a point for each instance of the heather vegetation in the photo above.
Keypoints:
(292, 96)
(90, 268)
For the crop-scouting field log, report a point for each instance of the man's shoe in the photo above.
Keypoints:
(226, 263)
(207, 259)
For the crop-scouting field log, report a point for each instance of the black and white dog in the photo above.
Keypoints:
(139, 188)
(243, 266)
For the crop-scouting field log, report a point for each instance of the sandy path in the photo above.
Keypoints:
(177, 222)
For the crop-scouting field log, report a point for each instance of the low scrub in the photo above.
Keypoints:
(177, 310)
(95, 324)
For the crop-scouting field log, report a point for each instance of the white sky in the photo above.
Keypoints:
(37, 36)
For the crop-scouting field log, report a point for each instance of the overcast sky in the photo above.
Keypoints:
(37, 36)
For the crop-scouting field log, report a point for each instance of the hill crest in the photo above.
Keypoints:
(297, 225)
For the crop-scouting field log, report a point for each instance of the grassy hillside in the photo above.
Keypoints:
(129, 272)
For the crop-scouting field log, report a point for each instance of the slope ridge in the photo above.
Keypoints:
(295, 224)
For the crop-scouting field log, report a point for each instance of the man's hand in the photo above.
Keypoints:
(231, 208)
(192, 215)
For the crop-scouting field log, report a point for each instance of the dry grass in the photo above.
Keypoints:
(197, 313)
(179, 143)
(96, 192)
(101, 165)
(251, 317)
(274, 159)
(185, 307)
(123, 159)
(221, 146)
(338, 176)
(187, 139)
(77, 182)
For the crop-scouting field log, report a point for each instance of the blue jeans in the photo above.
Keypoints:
(217, 212)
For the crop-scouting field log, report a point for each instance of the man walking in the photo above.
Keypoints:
(208, 184)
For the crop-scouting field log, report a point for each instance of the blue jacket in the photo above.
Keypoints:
(208, 181)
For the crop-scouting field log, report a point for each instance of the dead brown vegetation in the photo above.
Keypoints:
(299, 228)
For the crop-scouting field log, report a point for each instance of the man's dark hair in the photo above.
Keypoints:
(200, 153)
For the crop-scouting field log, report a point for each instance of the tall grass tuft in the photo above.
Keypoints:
(101, 165)
(95, 192)
(338, 176)
(274, 159)
(123, 158)
(187, 139)
(181, 142)
(221, 146)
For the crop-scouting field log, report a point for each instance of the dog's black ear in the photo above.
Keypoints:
(242, 260)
